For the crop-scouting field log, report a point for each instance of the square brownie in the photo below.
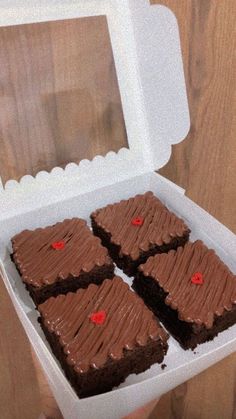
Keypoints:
(191, 291)
(137, 228)
(60, 258)
(102, 334)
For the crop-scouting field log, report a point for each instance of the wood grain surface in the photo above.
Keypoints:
(59, 95)
(204, 164)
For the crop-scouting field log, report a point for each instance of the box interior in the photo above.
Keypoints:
(181, 364)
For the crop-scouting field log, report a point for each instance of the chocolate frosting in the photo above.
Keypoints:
(40, 264)
(160, 225)
(129, 323)
(195, 303)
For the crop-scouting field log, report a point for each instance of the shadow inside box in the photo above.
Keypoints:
(33, 317)
(18, 286)
(25, 300)
(24, 297)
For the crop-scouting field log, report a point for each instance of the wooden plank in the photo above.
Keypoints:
(205, 164)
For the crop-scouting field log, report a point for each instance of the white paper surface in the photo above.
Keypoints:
(181, 365)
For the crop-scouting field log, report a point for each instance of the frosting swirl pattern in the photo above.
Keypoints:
(40, 264)
(159, 226)
(128, 323)
(195, 301)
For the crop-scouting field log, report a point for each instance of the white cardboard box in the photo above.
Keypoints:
(147, 55)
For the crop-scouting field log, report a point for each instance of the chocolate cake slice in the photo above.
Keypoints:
(191, 291)
(137, 228)
(60, 258)
(101, 335)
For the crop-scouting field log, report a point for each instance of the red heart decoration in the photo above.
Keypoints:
(99, 317)
(58, 245)
(197, 278)
(138, 221)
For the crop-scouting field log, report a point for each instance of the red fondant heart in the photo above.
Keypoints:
(58, 245)
(138, 221)
(99, 317)
(197, 278)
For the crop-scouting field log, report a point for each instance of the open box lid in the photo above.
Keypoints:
(147, 55)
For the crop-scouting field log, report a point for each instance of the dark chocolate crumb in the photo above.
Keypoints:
(163, 366)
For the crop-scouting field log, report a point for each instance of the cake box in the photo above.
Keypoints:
(147, 55)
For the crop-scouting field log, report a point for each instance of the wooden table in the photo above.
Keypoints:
(204, 165)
